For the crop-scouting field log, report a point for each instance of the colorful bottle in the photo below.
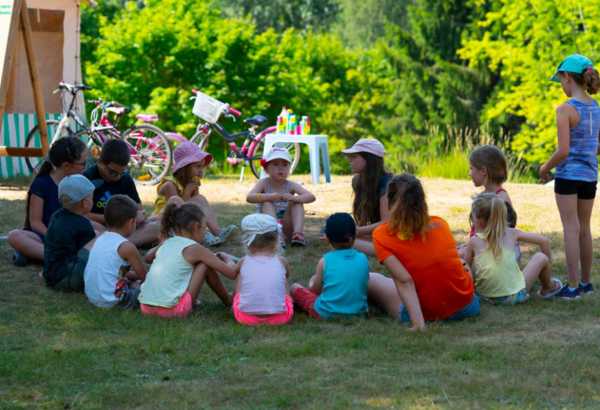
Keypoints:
(282, 121)
(292, 124)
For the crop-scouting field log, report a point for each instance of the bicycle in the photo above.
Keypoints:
(149, 148)
(209, 110)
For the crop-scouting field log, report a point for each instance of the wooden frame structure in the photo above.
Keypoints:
(14, 18)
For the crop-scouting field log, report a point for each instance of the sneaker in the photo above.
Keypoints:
(19, 259)
(568, 294)
(211, 240)
(585, 289)
(226, 232)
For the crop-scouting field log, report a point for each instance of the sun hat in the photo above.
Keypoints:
(257, 224)
(276, 153)
(575, 63)
(340, 227)
(187, 153)
(370, 145)
(75, 188)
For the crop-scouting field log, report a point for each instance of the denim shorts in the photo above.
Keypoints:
(470, 310)
(521, 296)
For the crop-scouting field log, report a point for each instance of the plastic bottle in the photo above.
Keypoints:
(307, 126)
(282, 121)
(292, 124)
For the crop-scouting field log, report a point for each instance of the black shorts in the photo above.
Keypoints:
(583, 189)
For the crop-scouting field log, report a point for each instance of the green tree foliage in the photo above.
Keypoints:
(280, 15)
(523, 42)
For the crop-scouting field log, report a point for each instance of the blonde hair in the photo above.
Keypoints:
(492, 211)
(491, 158)
(409, 215)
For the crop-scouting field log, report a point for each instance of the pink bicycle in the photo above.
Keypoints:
(209, 110)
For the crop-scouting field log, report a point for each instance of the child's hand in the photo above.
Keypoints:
(545, 175)
(140, 217)
(290, 197)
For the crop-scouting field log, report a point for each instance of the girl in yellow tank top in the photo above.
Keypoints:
(491, 255)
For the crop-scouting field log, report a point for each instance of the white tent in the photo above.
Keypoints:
(56, 43)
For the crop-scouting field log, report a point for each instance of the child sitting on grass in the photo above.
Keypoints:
(339, 286)
(261, 295)
(111, 254)
(487, 168)
(181, 265)
(66, 157)
(428, 279)
(282, 199)
(69, 235)
(188, 170)
(110, 177)
(491, 254)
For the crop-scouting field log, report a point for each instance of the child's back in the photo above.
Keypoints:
(102, 271)
(262, 285)
(497, 276)
(345, 278)
(170, 274)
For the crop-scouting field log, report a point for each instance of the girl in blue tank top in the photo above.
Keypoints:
(576, 162)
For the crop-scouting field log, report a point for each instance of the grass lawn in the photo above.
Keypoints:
(58, 351)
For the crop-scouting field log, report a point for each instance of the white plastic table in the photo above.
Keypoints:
(318, 150)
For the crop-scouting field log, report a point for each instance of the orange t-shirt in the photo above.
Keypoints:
(443, 286)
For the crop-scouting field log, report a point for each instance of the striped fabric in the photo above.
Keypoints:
(15, 127)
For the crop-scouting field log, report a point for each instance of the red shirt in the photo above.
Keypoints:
(443, 286)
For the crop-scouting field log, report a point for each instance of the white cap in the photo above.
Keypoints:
(277, 153)
(257, 224)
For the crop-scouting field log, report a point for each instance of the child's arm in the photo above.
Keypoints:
(199, 254)
(408, 293)
(129, 252)
(316, 281)
(467, 252)
(286, 265)
(257, 195)
(564, 114)
(98, 218)
(536, 239)
(300, 195)
(168, 189)
(151, 254)
(36, 212)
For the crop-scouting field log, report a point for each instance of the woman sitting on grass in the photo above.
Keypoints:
(370, 206)
(429, 281)
(491, 253)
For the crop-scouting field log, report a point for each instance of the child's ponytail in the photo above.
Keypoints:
(492, 211)
(591, 80)
(180, 218)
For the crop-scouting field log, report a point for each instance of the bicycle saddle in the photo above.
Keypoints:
(256, 120)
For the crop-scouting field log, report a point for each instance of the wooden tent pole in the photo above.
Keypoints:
(38, 97)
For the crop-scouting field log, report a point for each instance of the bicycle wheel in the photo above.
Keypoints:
(34, 140)
(256, 156)
(150, 153)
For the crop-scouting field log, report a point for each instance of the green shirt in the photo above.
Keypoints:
(170, 274)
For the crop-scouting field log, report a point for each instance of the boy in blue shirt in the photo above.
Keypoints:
(339, 287)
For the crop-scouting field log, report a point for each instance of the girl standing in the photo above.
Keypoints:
(576, 162)
(67, 156)
(181, 265)
(370, 205)
(491, 253)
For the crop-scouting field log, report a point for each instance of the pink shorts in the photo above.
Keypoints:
(305, 300)
(181, 309)
(253, 320)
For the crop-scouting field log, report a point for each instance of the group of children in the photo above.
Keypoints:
(87, 229)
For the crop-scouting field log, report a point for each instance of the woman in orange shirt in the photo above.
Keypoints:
(429, 281)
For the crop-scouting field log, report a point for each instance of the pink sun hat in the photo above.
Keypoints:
(370, 145)
(187, 153)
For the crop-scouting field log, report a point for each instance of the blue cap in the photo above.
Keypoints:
(75, 188)
(575, 63)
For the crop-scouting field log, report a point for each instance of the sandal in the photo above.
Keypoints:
(557, 287)
(226, 232)
(298, 239)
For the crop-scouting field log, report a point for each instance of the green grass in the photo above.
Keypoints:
(58, 351)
